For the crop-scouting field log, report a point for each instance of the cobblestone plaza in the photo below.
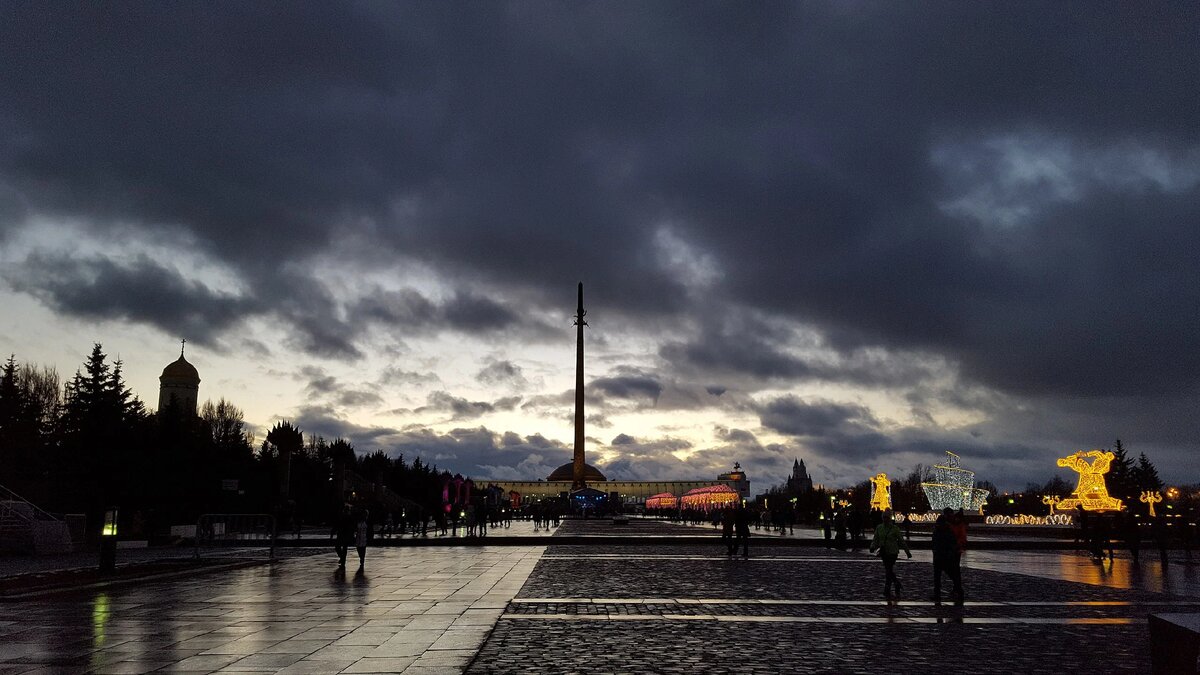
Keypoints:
(605, 607)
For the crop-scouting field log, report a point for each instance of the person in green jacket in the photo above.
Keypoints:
(888, 541)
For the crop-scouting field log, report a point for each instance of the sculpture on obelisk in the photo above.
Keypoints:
(577, 480)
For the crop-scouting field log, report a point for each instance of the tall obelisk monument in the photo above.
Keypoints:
(577, 481)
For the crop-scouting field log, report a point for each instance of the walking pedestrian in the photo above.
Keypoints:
(947, 558)
(839, 527)
(727, 518)
(856, 527)
(343, 533)
(362, 534)
(1132, 535)
(741, 527)
(888, 541)
(827, 525)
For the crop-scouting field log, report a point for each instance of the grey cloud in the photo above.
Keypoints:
(325, 421)
(550, 140)
(791, 415)
(459, 408)
(322, 385)
(464, 312)
(506, 402)
(142, 290)
(319, 381)
(359, 398)
(502, 373)
(629, 387)
(482, 453)
(397, 376)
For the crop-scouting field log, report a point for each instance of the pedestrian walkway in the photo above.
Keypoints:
(411, 611)
(599, 604)
(688, 609)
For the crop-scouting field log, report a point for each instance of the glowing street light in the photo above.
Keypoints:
(1151, 497)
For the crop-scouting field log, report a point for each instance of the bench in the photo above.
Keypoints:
(1174, 643)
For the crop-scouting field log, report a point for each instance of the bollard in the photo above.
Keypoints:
(108, 542)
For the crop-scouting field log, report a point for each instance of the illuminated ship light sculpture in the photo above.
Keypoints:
(953, 488)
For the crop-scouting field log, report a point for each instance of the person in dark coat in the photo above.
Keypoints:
(343, 531)
(947, 558)
(727, 518)
(741, 527)
(855, 523)
(1132, 536)
(839, 527)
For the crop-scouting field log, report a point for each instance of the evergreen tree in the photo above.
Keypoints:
(102, 437)
(11, 427)
(1146, 475)
(1120, 479)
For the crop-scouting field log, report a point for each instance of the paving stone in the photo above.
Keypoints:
(604, 608)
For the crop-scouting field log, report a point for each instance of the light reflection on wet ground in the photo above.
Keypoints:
(1180, 577)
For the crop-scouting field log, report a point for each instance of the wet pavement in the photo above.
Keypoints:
(411, 610)
(606, 607)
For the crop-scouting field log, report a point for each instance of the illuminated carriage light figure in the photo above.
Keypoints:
(953, 488)
(1151, 497)
(881, 492)
(1091, 493)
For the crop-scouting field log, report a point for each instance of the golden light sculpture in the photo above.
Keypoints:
(843, 503)
(1052, 501)
(1151, 497)
(1091, 493)
(881, 492)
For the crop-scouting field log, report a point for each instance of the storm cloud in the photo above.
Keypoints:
(769, 196)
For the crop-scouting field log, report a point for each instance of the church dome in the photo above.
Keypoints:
(180, 370)
(567, 472)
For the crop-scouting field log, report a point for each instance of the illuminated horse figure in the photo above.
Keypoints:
(881, 492)
(1091, 493)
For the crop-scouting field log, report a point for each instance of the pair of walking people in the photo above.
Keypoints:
(949, 542)
(735, 530)
(352, 529)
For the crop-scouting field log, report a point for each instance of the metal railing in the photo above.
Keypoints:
(235, 529)
(26, 527)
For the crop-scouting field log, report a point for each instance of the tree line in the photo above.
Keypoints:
(89, 444)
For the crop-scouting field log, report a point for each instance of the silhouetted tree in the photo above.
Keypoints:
(1120, 480)
(102, 432)
(1055, 486)
(1145, 475)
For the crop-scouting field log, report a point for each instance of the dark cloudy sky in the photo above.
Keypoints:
(855, 233)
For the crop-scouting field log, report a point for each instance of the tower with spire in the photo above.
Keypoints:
(578, 471)
(800, 482)
(181, 382)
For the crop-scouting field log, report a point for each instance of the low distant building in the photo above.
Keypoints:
(630, 492)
